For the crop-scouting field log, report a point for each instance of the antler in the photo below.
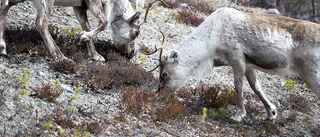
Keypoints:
(148, 8)
(163, 37)
(150, 53)
(156, 50)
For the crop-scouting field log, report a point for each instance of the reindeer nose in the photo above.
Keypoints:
(129, 55)
(160, 87)
(159, 90)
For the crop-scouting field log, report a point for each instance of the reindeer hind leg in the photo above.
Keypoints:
(44, 8)
(251, 75)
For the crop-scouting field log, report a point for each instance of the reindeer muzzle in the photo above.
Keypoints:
(129, 55)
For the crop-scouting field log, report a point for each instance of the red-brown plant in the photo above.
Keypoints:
(46, 92)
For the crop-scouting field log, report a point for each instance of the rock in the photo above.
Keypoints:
(40, 73)
(66, 88)
(2, 100)
(10, 105)
(273, 11)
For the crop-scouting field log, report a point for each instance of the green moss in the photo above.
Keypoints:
(78, 91)
(204, 116)
(71, 33)
(24, 78)
(24, 92)
(290, 84)
(47, 125)
(58, 86)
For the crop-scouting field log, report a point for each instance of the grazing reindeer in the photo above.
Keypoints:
(247, 42)
(124, 22)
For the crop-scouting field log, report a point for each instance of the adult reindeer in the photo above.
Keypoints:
(247, 42)
(124, 23)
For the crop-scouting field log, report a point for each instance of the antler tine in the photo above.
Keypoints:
(155, 68)
(150, 53)
(148, 8)
(156, 49)
(163, 38)
(161, 49)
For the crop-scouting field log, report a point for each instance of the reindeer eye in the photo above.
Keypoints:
(164, 74)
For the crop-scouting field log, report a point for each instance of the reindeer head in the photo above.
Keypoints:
(170, 73)
(126, 30)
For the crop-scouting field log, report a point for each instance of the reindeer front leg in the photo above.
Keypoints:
(81, 14)
(98, 10)
(238, 67)
(4, 7)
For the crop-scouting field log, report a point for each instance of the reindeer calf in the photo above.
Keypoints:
(247, 42)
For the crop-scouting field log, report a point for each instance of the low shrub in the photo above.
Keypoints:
(196, 5)
(200, 5)
(161, 106)
(64, 66)
(67, 118)
(189, 17)
(116, 73)
(298, 102)
(216, 96)
(46, 92)
(171, 3)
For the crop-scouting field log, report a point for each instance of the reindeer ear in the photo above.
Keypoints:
(170, 57)
(135, 17)
(174, 54)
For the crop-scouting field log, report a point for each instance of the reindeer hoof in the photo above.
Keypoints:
(65, 59)
(239, 116)
(99, 58)
(236, 118)
(272, 113)
(85, 36)
(3, 48)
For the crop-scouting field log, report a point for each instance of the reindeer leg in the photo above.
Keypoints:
(44, 8)
(98, 10)
(4, 7)
(310, 73)
(251, 75)
(239, 70)
(83, 19)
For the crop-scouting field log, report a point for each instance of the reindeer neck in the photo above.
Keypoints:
(198, 45)
(122, 8)
(197, 51)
